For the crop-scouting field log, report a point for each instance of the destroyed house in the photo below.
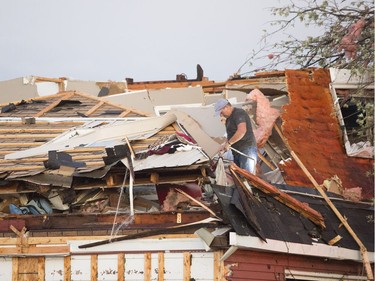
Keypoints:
(94, 190)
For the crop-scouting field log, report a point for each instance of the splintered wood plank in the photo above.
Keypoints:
(94, 267)
(94, 108)
(161, 266)
(121, 267)
(54, 104)
(67, 268)
(41, 268)
(187, 266)
(147, 266)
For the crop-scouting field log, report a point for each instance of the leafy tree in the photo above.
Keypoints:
(346, 40)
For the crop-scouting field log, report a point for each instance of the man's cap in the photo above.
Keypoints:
(219, 105)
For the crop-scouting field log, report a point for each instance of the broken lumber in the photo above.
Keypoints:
(280, 196)
(171, 229)
(362, 247)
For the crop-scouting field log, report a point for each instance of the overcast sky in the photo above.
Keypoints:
(140, 39)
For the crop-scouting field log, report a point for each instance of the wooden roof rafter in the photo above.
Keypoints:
(54, 104)
(102, 102)
(69, 95)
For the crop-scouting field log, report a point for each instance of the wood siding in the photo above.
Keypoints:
(256, 266)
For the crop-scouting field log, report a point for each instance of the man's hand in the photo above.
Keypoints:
(225, 147)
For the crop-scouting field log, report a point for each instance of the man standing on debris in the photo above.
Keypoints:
(240, 136)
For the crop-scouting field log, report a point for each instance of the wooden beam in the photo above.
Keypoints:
(46, 79)
(64, 239)
(218, 266)
(35, 251)
(20, 144)
(121, 267)
(161, 266)
(94, 267)
(124, 113)
(94, 108)
(154, 177)
(28, 136)
(187, 266)
(147, 267)
(54, 104)
(21, 168)
(198, 202)
(32, 131)
(265, 160)
(67, 268)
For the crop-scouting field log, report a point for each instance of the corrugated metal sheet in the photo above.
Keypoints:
(177, 159)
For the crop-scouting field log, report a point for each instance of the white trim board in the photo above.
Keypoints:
(313, 250)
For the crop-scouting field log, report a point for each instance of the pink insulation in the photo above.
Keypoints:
(349, 41)
(174, 201)
(265, 116)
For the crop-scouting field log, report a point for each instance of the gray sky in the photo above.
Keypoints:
(140, 39)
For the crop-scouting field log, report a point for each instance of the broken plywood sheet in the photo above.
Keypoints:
(137, 99)
(188, 95)
(205, 116)
(16, 89)
(208, 145)
(89, 87)
(89, 137)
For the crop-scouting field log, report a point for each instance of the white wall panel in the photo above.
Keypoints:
(54, 268)
(5, 269)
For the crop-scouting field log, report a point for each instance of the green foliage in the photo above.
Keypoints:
(345, 41)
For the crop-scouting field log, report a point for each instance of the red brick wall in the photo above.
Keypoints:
(312, 130)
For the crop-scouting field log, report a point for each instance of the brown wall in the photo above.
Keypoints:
(251, 265)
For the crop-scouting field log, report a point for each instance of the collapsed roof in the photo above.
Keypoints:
(79, 152)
